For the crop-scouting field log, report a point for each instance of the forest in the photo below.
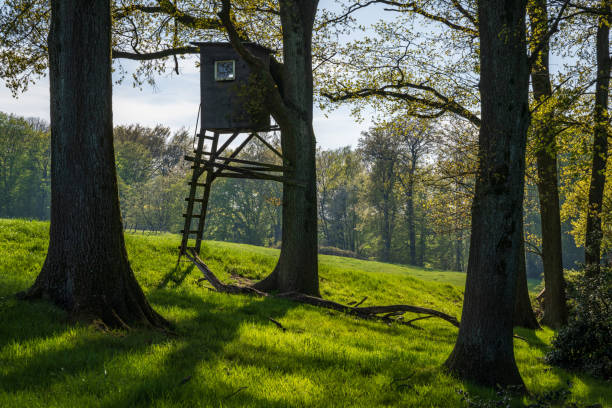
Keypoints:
(458, 254)
(402, 196)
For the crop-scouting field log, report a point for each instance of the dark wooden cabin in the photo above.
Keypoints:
(231, 98)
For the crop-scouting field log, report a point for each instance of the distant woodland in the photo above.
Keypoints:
(402, 195)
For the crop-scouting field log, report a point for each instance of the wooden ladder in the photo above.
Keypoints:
(215, 165)
(199, 167)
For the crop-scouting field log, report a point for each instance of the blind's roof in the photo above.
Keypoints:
(229, 45)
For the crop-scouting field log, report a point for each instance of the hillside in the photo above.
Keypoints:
(226, 352)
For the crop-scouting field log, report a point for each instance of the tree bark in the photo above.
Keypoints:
(555, 308)
(484, 350)
(422, 242)
(592, 254)
(410, 216)
(297, 267)
(86, 270)
(387, 229)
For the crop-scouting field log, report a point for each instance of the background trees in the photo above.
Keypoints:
(24, 168)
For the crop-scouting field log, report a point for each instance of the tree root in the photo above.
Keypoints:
(379, 313)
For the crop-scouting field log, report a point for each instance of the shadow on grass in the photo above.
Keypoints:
(176, 275)
(533, 340)
(201, 337)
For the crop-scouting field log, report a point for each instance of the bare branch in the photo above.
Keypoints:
(444, 103)
(155, 55)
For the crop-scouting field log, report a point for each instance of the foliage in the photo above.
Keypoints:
(25, 166)
(437, 177)
(327, 250)
(155, 35)
(340, 177)
(585, 344)
(507, 397)
(152, 176)
(224, 343)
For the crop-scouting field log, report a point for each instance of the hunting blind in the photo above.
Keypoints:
(233, 107)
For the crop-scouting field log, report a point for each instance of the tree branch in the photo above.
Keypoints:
(444, 104)
(168, 8)
(154, 55)
(544, 41)
(368, 313)
(279, 109)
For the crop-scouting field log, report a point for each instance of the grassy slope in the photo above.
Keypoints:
(337, 262)
(227, 353)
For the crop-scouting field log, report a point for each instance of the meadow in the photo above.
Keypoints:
(225, 351)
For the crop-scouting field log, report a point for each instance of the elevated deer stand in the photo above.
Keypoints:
(232, 109)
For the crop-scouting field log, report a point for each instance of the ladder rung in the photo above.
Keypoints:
(190, 232)
(206, 137)
(193, 215)
(196, 200)
(191, 183)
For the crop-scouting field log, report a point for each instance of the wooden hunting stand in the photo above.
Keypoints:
(231, 106)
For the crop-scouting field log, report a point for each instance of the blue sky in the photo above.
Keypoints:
(174, 101)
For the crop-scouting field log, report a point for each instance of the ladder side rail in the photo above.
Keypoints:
(206, 195)
(190, 199)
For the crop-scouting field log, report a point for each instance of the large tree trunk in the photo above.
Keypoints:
(592, 254)
(297, 267)
(555, 308)
(484, 349)
(86, 270)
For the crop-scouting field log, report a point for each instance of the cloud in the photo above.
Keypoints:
(174, 102)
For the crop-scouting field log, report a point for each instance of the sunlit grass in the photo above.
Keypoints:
(227, 353)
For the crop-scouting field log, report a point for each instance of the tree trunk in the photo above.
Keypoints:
(592, 255)
(459, 251)
(523, 311)
(555, 308)
(297, 267)
(484, 349)
(411, 221)
(422, 242)
(387, 227)
(86, 270)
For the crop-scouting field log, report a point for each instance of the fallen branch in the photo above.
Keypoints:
(369, 313)
(408, 308)
(362, 300)
(235, 392)
(419, 318)
(280, 326)
(516, 336)
(216, 283)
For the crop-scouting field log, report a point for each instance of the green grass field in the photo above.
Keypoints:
(228, 354)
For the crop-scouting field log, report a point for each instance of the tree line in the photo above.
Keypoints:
(474, 65)
(402, 195)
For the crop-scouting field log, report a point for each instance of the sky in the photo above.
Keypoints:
(174, 101)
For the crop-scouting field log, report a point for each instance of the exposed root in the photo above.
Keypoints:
(103, 315)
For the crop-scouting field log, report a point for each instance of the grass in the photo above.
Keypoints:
(228, 354)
